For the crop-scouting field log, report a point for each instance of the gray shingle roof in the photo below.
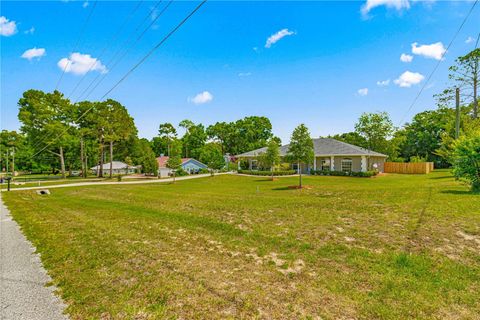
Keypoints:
(324, 147)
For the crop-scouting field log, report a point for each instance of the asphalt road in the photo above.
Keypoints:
(23, 294)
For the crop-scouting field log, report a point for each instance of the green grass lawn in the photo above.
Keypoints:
(390, 247)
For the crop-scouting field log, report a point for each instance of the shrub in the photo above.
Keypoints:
(366, 174)
(268, 173)
(180, 172)
(203, 171)
(466, 163)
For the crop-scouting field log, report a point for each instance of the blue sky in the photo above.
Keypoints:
(322, 65)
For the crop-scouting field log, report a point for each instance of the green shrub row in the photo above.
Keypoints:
(366, 174)
(268, 173)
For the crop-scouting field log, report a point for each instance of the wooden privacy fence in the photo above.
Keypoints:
(408, 167)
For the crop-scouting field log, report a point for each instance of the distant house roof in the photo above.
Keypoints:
(115, 165)
(162, 161)
(324, 147)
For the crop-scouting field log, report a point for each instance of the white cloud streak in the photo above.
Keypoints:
(383, 83)
(406, 58)
(29, 31)
(7, 28)
(80, 64)
(362, 92)
(274, 38)
(391, 4)
(34, 53)
(469, 40)
(431, 51)
(408, 79)
(201, 98)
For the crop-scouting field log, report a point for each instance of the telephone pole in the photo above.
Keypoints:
(457, 113)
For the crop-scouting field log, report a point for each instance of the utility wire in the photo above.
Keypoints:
(109, 44)
(439, 61)
(159, 44)
(129, 38)
(82, 31)
(123, 55)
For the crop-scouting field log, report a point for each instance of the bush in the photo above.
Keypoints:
(268, 173)
(203, 171)
(180, 173)
(466, 165)
(366, 174)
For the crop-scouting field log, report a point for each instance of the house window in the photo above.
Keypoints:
(295, 166)
(347, 165)
(325, 165)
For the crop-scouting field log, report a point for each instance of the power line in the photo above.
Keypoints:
(109, 43)
(115, 63)
(82, 30)
(108, 64)
(439, 61)
(141, 61)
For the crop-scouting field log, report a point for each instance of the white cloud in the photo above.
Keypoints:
(469, 40)
(7, 27)
(29, 31)
(363, 92)
(80, 64)
(406, 57)
(407, 79)
(274, 38)
(433, 51)
(201, 98)
(244, 74)
(383, 83)
(391, 4)
(85, 4)
(34, 53)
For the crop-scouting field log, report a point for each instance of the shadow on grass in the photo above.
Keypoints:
(441, 177)
(283, 188)
(265, 180)
(461, 192)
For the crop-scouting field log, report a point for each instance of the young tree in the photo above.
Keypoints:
(301, 148)
(211, 155)
(272, 155)
(467, 160)
(174, 161)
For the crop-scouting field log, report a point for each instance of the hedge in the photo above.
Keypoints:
(366, 174)
(268, 173)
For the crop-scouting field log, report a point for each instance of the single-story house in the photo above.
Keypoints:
(190, 165)
(330, 154)
(118, 167)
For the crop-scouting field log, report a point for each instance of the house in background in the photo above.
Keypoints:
(190, 165)
(330, 154)
(118, 167)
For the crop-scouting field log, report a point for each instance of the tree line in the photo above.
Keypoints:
(56, 134)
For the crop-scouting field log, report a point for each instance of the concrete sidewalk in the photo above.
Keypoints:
(23, 294)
